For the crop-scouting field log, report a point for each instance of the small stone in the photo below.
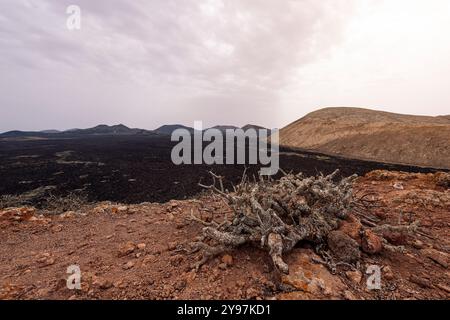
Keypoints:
(348, 295)
(354, 276)
(46, 260)
(57, 228)
(68, 214)
(398, 186)
(395, 237)
(126, 249)
(122, 209)
(103, 284)
(173, 205)
(252, 293)
(180, 225)
(387, 273)
(128, 265)
(172, 246)
(119, 284)
(222, 266)
(190, 276)
(351, 227)
(141, 246)
(371, 243)
(227, 259)
(418, 244)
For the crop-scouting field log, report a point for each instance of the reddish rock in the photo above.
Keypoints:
(102, 283)
(172, 245)
(311, 278)
(141, 246)
(252, 293)
(387, 273)
(227, 259)
(57, 228)
(18, 214)
(126, 249)
(222, 266)
(128, 265)
(418, 244)
(351, 227)
(371, 243)
(396, 238)
(46, 261)
(354, 276)
(349, 296)
(122, 209)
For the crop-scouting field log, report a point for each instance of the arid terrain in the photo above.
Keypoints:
(374, 135)
(117, 207)
(132, 168)
(142, 251)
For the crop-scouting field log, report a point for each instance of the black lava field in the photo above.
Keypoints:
(137, 168)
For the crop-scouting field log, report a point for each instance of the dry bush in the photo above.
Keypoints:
(9, 200)
(277, 215)
(44, 199)
(60, 204)
(24, 199)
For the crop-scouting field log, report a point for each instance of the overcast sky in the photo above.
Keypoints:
(150, 62)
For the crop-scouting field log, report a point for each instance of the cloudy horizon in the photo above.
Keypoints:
(149, 63)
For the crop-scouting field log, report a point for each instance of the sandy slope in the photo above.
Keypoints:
(374, 135)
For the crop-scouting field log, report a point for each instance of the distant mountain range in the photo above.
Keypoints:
(169, 128)
(104, 129)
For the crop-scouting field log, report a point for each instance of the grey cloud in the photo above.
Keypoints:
(194, 57)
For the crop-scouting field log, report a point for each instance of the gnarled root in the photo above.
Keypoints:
(275, 244)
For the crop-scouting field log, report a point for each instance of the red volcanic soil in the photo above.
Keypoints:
(142, 252)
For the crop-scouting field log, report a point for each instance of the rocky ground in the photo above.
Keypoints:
(142, 251)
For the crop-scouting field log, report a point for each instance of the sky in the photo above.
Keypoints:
(145, 63)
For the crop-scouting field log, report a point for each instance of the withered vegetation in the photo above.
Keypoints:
(47, 201)
(278, 214)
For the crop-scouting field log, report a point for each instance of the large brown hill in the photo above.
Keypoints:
(374, 135)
